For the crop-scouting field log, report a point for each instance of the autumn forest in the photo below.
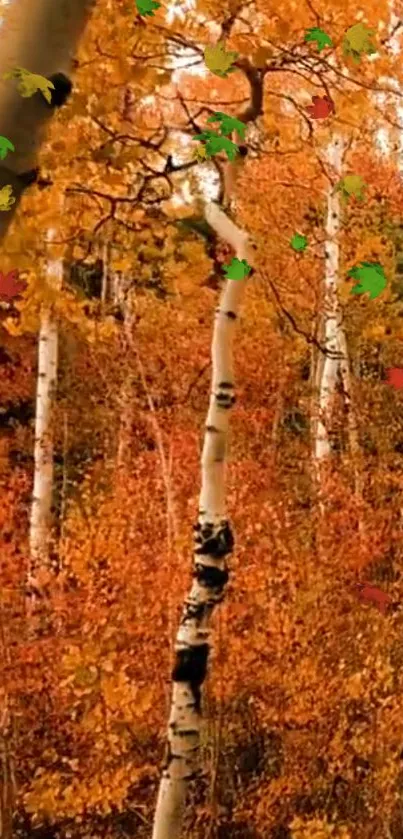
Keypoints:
(201, 433)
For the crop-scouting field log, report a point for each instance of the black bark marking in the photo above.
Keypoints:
(213, 541)
(212, 429)
(231, 315)
(28, 178)
(193, 610)
(197, 695)
(187, 732)
(225, 385)
(211, 577)
(63, 88)
(191, 666)
(225, 400)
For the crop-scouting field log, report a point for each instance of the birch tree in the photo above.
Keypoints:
(213, 538)
(334, 365)
(329, 366)
(213, 542)
(41, 36)
(40, 519)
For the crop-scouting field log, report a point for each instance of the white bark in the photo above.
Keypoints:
(333, 337)
(213, 542)
(40, 521)
(345, 373)
(332, 313)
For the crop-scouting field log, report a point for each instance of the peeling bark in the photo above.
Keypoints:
(213, 542)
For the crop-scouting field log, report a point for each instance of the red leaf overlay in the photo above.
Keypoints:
(368, 593)
(321, 107)
(395, 377)
(10, 285)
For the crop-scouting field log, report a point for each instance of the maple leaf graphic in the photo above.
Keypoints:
(369, 277)
(218, 60)
(351, 185)
(238, 269)
(357, 41)
(368, 593)
(298, 242)
(215, 143)
(6, 197)
(29, 83)
(321, 107)
(395, 377)
(319, 36)
(10, 285)
(200, 154)
(228, 124)
(146, 7)
(5, 146)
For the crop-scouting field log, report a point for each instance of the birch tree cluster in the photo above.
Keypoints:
(152, 411)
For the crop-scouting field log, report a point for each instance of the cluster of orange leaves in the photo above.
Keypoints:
(295, 654)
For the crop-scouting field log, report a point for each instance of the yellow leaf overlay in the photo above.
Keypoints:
(29, 83)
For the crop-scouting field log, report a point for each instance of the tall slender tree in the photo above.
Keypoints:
(40, 521)
(329, 363)
(213, 542)
(334, 365)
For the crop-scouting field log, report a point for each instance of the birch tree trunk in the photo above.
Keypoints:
(213, 541)
(329, 366)
(41, 36)
(353, 438)
(40, 520)
(336, 363)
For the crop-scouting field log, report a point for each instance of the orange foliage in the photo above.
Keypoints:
(303, 703)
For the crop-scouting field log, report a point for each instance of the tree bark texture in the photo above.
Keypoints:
(40, 36)
(40, 520)
(213, 542)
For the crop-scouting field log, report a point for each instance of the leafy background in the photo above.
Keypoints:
(303, 735)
